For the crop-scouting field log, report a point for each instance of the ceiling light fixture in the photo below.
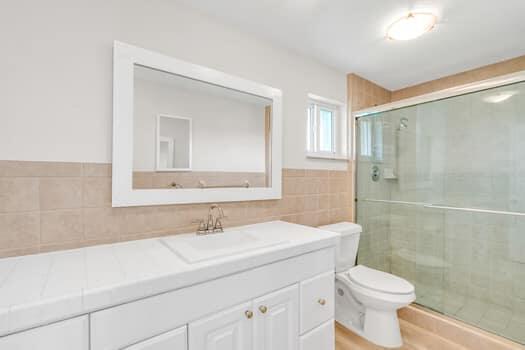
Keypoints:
(411, 26)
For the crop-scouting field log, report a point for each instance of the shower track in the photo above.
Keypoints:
(444, 207)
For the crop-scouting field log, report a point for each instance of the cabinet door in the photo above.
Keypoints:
(277, 320)
(317, 300)
(320, 338)
(231, 329)
(173, 340)
(66, 335)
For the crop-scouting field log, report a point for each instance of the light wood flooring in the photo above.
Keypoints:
(414, 338)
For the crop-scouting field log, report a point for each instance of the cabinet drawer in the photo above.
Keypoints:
(66, 335)
(173, 340)
(322, 337)
(317, 300)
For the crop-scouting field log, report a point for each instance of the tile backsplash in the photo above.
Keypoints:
(193, 179)
(47, 206)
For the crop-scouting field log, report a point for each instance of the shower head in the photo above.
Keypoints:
(403, 124)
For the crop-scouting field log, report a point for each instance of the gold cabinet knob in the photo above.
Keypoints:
(263, 309)
(322, 301)
(249, 314)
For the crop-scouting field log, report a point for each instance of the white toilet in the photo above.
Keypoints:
(366, 299)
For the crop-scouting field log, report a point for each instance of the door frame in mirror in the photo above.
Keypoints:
(158, 138)
(125, 57)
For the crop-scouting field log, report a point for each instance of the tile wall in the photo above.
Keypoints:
(47, 206)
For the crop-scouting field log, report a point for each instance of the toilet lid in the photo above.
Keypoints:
(379, 281)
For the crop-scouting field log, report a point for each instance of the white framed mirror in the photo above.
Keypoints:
(174, 137)
(185, 133)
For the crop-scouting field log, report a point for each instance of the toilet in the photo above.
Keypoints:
(367, 300)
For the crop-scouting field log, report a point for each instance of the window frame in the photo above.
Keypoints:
(339, 130)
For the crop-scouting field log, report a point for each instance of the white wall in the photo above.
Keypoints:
(177, 131)
(56, 72)
(228, 134)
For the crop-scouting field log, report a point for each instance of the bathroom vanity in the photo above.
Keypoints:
(262, 286)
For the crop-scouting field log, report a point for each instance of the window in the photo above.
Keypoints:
(326, 129)
(371, 138)
(365, 132)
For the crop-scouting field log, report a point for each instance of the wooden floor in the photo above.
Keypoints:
(414, 338)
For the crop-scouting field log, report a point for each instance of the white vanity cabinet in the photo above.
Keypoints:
(277, 320)
(173, 340)
(270, 322)
(231, 329)
(72, 334)
(255, 309)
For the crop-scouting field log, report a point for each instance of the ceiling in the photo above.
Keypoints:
(349, 35)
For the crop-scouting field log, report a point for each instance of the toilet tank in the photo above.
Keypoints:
(346, 250)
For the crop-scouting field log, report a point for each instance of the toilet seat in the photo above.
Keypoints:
(363, 288)
(379, 281)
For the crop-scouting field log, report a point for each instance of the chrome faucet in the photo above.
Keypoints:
(213, 223)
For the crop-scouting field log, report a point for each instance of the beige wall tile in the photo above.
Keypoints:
(19, 230)
(325, 201)
(19, 194)
(142, 180)
(39, 169)
(74, 211)
(293, 185)
(96, 169)
(59, 226)
(486, 72)
(96, 192)
(311, 203)
(60, 193)
(293, 172)
(7, 253)
(323, 217)
(100, 223)
(316, 173)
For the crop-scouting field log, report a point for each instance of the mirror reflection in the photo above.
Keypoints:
(193, 134)
(173, 143)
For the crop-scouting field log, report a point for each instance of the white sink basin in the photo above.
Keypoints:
(194, 248)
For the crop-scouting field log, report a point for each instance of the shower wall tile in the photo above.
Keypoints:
(46, 206)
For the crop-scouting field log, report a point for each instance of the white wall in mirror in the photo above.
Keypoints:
(174, 143)
(236, 128)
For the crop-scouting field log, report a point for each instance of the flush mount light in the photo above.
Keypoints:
(411, 26)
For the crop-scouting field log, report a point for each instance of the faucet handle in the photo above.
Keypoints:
(202, 225)
(217, 227)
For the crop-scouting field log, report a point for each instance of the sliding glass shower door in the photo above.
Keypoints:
(441, 197)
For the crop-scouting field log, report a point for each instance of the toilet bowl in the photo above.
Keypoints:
(367, 300)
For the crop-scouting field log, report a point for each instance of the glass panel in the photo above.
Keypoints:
(326, 128)
(465, 152)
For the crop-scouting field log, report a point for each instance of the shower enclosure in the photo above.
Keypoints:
(441, 197)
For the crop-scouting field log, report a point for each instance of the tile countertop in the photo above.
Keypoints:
(44, 288)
